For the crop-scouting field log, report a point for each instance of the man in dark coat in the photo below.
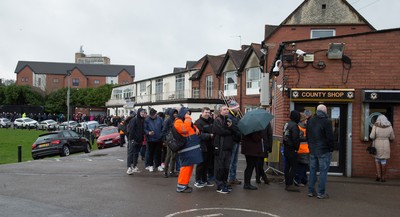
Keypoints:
(291, 143)
(224, 132)
(320, 143)
(136, 137)
(205, 124)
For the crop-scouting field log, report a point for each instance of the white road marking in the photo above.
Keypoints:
(211, 215)
(88, 159)
(120, 160)
(232, 209)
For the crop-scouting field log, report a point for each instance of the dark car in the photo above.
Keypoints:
(63, 143)
(109, 136)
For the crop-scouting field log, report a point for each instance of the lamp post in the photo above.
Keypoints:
(264, 81)
(68, 94)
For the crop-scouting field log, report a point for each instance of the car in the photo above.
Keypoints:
(25, 123)
(97, 130)
(5, 123)
(68, 125)
(109, 136)
(48, 125)
(62, 142)
(89, 126)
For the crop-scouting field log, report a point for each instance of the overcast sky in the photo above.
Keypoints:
(153, 35)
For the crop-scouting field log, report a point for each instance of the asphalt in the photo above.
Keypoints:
(96, 184)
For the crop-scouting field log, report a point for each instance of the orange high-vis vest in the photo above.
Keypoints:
(303, 149)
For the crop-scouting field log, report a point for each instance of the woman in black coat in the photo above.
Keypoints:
(255, 147)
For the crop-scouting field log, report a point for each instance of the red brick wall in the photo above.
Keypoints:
(53, 86)
(124, 78)
(76, 74)
(25, 73)
(374, 66)
(91, 79)
(207, 72)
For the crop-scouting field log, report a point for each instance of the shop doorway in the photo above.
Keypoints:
(338, 115)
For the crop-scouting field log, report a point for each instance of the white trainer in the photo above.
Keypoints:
(151, 169)
(136, 170)
(147, 168)
(129, 171)
(160, 168)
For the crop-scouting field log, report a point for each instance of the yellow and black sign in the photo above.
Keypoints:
(323, 95)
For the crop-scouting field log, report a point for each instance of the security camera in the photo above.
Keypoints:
(275, 70)
(300, 52)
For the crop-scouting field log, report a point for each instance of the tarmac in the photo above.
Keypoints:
(96, 184)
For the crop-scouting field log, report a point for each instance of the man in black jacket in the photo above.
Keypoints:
(136, 136)
(291, 143)
(320, 142)
(205, 124)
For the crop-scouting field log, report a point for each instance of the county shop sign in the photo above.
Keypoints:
(322, 95)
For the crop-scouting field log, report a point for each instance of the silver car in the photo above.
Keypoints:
(25, 123)
(5, 123)
(48, 125)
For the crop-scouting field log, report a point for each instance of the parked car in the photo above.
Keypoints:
(109, 136)
(64, 125)
(97, 130)
(5, 123)
(63, 143)
(90, 126)
(25, 123)
(48, 125)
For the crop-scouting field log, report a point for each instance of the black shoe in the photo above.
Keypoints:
(165, 175)
(258, 181)
(250, 187)
(291, 188)
(173, 174)
(266, 181)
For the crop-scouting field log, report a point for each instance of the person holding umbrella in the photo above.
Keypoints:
(255, 147)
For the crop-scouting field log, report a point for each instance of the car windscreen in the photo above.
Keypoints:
(28, 120)
(47, 137)
(108, 131)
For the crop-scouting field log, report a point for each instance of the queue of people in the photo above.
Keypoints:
(213, 143)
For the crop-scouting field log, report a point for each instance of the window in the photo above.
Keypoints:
(159, 89)
(96, 82)
(39, 81)
(253, 80)
(127, 93)
(322, 33)
(117, 94)
(143, 87)
(75, 82)
(230, 83)
(196, 92)
(56, 80)
(180, 86)
(209, 86)
(24, 79)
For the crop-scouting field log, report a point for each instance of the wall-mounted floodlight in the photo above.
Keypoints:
(335, 51)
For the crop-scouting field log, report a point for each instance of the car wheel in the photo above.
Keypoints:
(36, 158)
(88, 149)
(65, 151)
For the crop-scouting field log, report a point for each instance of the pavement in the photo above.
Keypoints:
(96, 184)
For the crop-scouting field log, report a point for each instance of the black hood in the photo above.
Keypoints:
(295, 116)
(138, 113)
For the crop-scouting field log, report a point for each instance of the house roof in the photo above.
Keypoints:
(214, 61)
(256, 48)
(86, 69)
(236, 56)
(308, 13)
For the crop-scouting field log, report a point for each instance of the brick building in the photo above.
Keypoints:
(50, 76)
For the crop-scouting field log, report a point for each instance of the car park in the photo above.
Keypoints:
(109, 136)
(68, 125)
(25, 123)
(63, 143)
(5, 123)
(48, 125)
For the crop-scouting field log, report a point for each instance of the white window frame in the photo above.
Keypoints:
(313, 31)
(253, 84)
(180, 86)
(209, 86)
(230, 88)
(159, 89)
(196, 93)
(143, 87)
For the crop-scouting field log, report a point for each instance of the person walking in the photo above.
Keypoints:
(320, 143)
(223, 144)
(153, 130)
(255, 147)
(170, 159)
(136, 137)
(381, 134)
(291, 143)
(191, 152)
(205, 124)
(303, 154)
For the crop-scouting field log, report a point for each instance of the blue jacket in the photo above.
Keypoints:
(155, 125)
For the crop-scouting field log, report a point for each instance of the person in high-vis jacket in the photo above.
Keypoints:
(191, 152)
(303, 154)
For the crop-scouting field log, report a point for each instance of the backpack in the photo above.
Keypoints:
(175, 141)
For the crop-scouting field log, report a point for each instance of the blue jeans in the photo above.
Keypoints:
(234, 160)
(323, 160)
